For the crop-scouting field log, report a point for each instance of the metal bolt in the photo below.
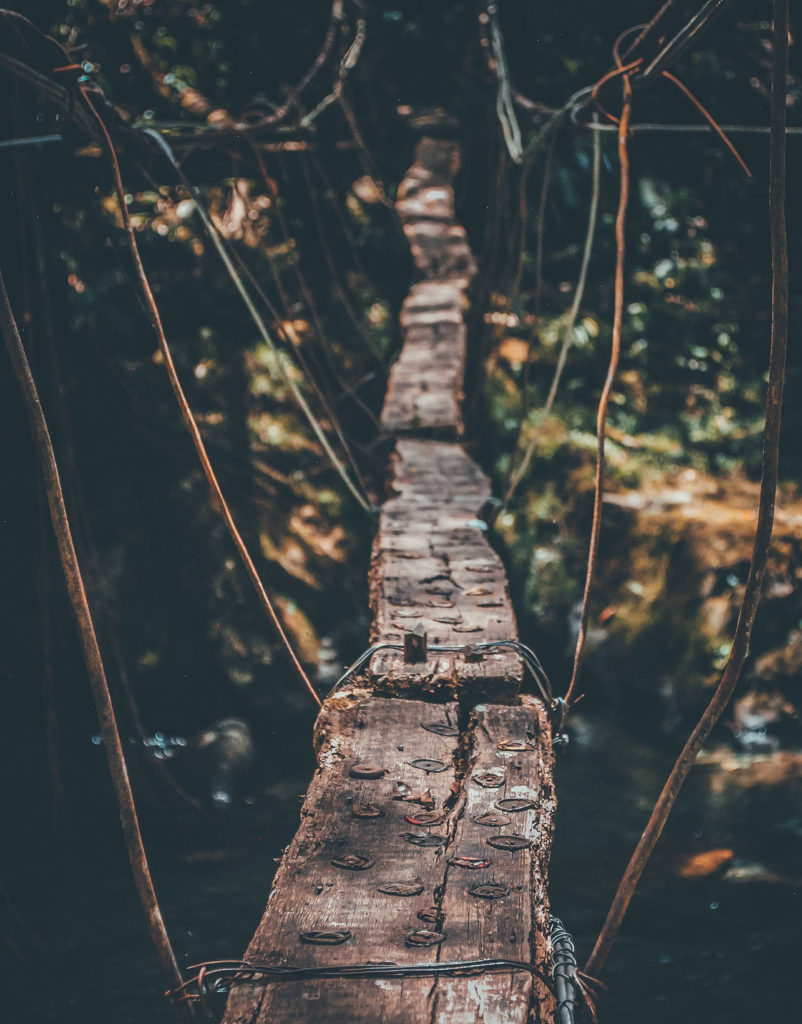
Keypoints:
(508, 842)
(325, 937)
(401, 888)
(422, 839)
(353, 862)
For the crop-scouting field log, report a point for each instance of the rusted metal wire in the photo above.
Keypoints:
(219, 500)
(563, 971)
(91, 650)
(615, 351)
(568, 333)
(530, 660)
(216, 976)
(765, 522)
(679, 43)
(710, 120)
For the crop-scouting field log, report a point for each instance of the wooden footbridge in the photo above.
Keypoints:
(425, 833)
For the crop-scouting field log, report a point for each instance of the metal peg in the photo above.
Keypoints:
(416, 645)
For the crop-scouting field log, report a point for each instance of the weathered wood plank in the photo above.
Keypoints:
(425, 387)
(514, 925)
(310, 893)
(432, 564)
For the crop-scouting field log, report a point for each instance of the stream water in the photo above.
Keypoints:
(707, 939)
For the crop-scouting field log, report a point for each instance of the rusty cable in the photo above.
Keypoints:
(765, 518)
(91, 651)
(306, 292)
(680, 42)
(215, 975)
(568, 334)
(219, 500)
(648, 28)
(710, 120)
(615, 351)
(284, 370)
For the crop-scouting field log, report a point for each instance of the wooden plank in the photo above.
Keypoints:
(434, 573)
(432, 564)
(310, 893)
(425, 387)
(513, 926)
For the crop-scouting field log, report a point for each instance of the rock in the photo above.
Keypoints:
(761, 720)
(219, 761)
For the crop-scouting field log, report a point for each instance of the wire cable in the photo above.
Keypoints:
(219, 500)
(91, 651)
(765, 521)
(285, 365)
(568, 334)
(615, 351)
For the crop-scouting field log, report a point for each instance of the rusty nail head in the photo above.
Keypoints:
(428, 765)
(353, 862)
(441, 728)
(422, 839)
(470, 863)
(366, 811)
(401, 888)
(490, 778)
(515, 745)
(491, 891)
(325, 936)
(515, 806)
(508, 842)
(425, 818)
(493, 819)
(366, 770)
(424, 937)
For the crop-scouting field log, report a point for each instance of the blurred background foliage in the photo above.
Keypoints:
(185, 642)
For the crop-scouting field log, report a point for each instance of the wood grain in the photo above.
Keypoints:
(309, 892)
(432, 564)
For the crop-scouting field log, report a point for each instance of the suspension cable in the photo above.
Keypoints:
(504, 104)
(615, 351)
(219, 500)
(284, 363)
(765, 520)
(91, 650)
(568, 334)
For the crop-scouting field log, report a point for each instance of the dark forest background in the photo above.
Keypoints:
(185, 643)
